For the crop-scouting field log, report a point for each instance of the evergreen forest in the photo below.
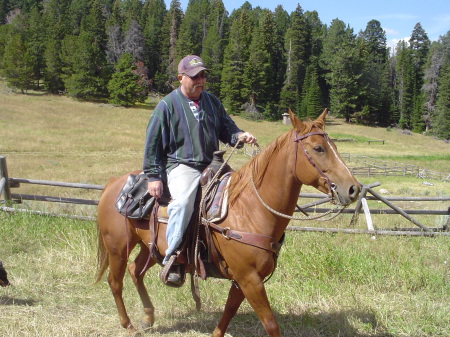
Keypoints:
(260, 62)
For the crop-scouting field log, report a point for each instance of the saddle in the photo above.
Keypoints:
(211, 205)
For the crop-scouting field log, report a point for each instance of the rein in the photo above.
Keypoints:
(331, 186)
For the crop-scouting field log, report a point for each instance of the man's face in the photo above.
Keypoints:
(192, 87)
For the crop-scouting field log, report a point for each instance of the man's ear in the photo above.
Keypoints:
(179, 77)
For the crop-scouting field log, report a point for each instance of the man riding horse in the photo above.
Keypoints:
(183, 132)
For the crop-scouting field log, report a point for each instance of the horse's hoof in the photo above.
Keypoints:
(146, 326)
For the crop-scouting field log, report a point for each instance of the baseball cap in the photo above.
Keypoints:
(191, 65)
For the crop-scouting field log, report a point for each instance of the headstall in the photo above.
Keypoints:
(298, 140)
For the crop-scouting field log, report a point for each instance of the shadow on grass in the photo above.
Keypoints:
(350, 323)
(6, 300)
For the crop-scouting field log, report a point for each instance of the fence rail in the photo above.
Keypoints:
(367, 166)
(7, 183)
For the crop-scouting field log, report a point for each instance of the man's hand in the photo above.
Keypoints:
(247, 137)
(155, 188)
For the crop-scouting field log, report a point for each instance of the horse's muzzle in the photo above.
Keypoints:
(344, 197)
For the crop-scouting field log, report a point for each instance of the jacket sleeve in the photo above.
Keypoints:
(154, 148)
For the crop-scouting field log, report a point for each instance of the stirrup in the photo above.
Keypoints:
(170, 277)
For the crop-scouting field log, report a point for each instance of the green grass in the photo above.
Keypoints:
(325, 285)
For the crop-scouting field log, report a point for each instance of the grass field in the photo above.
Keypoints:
(325, 285)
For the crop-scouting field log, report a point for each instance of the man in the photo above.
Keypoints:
(183, 132)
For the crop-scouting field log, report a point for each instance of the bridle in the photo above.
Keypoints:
(333, 198)
(298, 140)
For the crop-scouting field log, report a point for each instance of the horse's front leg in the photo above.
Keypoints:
(255, 293)
(137, 271)
(235, 298)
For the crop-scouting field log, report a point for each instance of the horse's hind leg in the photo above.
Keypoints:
(235, 298)
(117, 267)
(137, 271)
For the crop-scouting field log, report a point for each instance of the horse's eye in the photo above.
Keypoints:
(318, 149)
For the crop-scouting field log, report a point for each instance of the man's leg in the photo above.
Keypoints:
(183, 184)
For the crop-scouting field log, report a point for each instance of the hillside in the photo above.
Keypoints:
(53, 137)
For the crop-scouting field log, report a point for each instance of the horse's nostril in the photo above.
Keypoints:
(353, 191)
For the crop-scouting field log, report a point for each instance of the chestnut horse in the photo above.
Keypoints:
(262, 196)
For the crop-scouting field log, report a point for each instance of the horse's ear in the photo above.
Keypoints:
(296, 123)
(320, 121)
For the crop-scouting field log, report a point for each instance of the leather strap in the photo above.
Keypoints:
(298, 139)
(256, 240)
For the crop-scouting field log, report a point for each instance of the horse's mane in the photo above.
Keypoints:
(257, 166)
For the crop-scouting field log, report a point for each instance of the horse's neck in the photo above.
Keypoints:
(280, 179)
(279, 185)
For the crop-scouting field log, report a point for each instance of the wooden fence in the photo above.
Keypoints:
(367, 166)
(367, 193)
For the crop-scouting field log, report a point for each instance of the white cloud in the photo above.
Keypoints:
(392, 43)
(390, 31)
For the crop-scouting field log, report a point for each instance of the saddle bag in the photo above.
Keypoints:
(134, 201)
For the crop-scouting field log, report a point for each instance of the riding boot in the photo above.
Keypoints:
(174, 276)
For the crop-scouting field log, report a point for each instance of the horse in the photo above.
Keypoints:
(263, 196)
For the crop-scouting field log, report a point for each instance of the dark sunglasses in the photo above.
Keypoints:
(201, 74)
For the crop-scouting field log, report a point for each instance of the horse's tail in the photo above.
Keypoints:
(102, 254)
(102, 257)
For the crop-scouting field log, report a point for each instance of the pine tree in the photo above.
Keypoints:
(212, 51)
(54, 19)
(258, 85)
(342, 61)
(419, 45)
(282, 23)
(123, 87)
(35, 41)
(115, 34)
(84, 56)
(441, 120)
(297, 53)
(3, 11)
(153, 15)
(374, 51)
(18, 64)
(193, 28)
(76, 11)
(165, 78)
(311, 103)
(235, 57)
(404, 84)
(439, 51)
(132, 10)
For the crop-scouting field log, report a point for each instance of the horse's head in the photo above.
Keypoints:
(317, 162)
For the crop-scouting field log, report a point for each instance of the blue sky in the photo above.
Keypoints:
(397, 17)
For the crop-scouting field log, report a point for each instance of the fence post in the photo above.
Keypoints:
(398, 210)
(4, 174)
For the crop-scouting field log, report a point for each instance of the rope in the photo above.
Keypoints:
(294, 217)
(207, 189)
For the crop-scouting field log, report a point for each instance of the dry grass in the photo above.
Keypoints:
(325, 285)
